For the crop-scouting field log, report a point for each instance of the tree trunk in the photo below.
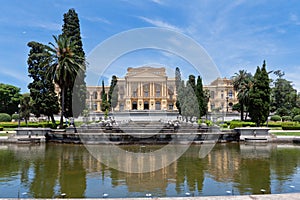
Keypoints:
(242, 111)
(52, 119)
(61, 124)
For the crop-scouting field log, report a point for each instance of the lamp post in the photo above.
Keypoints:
(19, 107)
(227, 97)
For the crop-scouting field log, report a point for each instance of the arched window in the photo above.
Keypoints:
(95, 95)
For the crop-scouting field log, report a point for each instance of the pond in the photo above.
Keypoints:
(48, 170)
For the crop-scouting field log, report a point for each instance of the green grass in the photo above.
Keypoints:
(287, 133)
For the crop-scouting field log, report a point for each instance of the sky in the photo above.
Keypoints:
(237, 35)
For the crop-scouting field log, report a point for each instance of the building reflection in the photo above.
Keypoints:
(49, 170)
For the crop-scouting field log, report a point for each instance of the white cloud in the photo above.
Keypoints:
(160, 2)
(160, 23)
(97, 19)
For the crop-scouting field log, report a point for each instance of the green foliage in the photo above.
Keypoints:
(236, 124)
(64, 66)
(1, 128)
(188, 101)
(76, 91)
(201, 97)
(15, 117)
(284, 96)
(295, 111)
(290, 126)
(208, 122)
(30, 124)
(113, 92)
(44, 100)
(287, 118)
(259, 96)
(275, 118)
(9, 98)
(296, 118)
(273, 124)
(104, 103)
(177, 87)
(4, 117)
(242, 83)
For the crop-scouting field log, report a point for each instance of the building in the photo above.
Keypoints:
(222, 95)
(143, 88)
(149, 88)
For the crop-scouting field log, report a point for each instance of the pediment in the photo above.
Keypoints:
(146, 72)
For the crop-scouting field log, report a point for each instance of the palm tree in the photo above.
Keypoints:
(63, 66)
(242, 82)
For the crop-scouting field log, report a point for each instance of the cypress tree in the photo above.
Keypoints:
(104, 103)
(76, 92)
(177, 87)
(202, 100)
(113, 93)
(259, 96)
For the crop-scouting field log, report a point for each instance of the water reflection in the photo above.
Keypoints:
(46, 171)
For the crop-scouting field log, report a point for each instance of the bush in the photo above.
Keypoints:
(290, 126)
(297, 118)
(287, 118)
(1, 128)
(273, 124)
(236, 124)
(4, 117)
(15, 117)
(275, 118)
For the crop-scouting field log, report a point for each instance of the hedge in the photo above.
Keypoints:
(1, 128)
(275, 118)
(273, 124)
(297, 118)
(236, 124)
(30, 124)
(287, 118)
(4, 117)
(290, 126)
(15, 116)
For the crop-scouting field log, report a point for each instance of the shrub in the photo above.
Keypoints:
(1, 128)
(273, 124)
(286, 118)
(4, 117)
(15, 117)
(290, 126)
(275, 118)
(297, 118)
(235, 124)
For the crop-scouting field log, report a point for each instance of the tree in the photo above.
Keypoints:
(189, 102)
(9, 98)
(113, 93)
(177, 87)
(63, 64)
(104, 103)
(76, 91)
(259, 96)
(42, 91)
(284, 96)
(25, 107)
(242, 83)
(201, 97)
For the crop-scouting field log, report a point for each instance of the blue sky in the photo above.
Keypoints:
(236, 34)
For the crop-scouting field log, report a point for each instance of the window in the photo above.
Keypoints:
(134, 93)
(146, 93)
(212, 94)
(157, 93)
(230, 94)
(95, 95)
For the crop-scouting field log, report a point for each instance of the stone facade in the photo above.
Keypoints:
(222, 95)
(143, 88)
(149, 88)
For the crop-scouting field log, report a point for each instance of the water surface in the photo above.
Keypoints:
(47, 170)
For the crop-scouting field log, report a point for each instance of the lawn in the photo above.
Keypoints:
(287, 133)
